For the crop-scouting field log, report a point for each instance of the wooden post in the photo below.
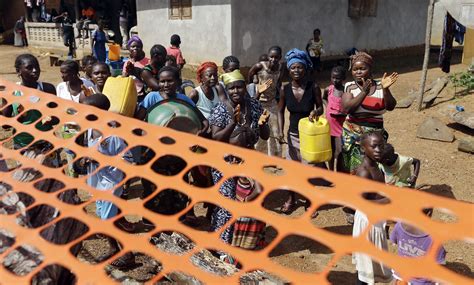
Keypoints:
(429, 24)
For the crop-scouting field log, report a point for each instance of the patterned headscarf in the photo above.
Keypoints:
(362, 57)
(296, 55)
(136, 39)
(203, 67)
(232, 77)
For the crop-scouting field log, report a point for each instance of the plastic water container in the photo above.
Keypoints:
(114, 52)
(315, 140)
(122, 95)
(115, 67)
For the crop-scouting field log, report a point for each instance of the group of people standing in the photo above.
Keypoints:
(230, 114)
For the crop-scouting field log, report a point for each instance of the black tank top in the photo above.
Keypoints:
(299, 110)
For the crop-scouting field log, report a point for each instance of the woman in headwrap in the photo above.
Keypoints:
(302, 97)
(134, 65)
(240, 121)
(365, 101)
(209, 93)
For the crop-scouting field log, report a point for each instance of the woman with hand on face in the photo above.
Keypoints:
(365, 100)
(135, 64)
(240, 121)
(238, 114)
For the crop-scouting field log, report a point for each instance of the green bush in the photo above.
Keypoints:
(463, 80)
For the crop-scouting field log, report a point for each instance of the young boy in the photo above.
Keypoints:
(397, 168)
(175, 51)
(269, 74)
(315, 49)
(372, 144)
(412, 242)
(97, 100)
(370, 271)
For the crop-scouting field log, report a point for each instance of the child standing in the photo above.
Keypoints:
(370, 271)
(175, 51)
(335, 115)
(412, 242)
(99, 39)
(315, 49)
(269, 73)
(397, 168)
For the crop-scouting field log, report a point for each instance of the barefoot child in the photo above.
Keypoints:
(412, 242)
(370, 271)
(398, 168)
(333, 100)
(269, 72)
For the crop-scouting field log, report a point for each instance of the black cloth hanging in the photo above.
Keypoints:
(447, 46)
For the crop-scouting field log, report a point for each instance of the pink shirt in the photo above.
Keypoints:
(333, 109)
(138, 82)
(176, 52)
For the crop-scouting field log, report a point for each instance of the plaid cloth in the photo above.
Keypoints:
(248, 233)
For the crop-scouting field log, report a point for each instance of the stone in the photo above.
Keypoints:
(437, 88)
(466, 145)
(464, 118)
(433, 129)
(408, 100)
(413, 94)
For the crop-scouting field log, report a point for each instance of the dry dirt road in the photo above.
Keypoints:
(444, 170)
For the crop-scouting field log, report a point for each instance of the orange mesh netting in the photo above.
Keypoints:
(347, 190)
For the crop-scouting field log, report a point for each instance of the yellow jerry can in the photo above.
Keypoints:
(315, 140)
(122, 95)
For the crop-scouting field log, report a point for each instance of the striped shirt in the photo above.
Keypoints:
(373, 104)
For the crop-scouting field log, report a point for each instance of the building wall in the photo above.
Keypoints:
(458, 9)
(207, 36)
(257, 25)
(468, 54)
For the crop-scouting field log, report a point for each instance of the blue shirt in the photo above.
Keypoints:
(154, 97)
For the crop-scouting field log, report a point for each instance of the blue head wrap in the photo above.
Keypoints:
(295, 55)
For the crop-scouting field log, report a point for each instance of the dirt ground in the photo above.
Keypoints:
(444, 170)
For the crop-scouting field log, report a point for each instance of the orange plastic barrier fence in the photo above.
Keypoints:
(347, 190)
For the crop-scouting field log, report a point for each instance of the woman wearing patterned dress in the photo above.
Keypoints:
(239, 121)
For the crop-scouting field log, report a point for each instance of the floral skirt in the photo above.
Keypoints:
(351, 152)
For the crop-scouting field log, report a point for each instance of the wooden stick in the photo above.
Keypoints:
(429, 24)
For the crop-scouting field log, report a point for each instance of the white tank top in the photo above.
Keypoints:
(204, 104)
